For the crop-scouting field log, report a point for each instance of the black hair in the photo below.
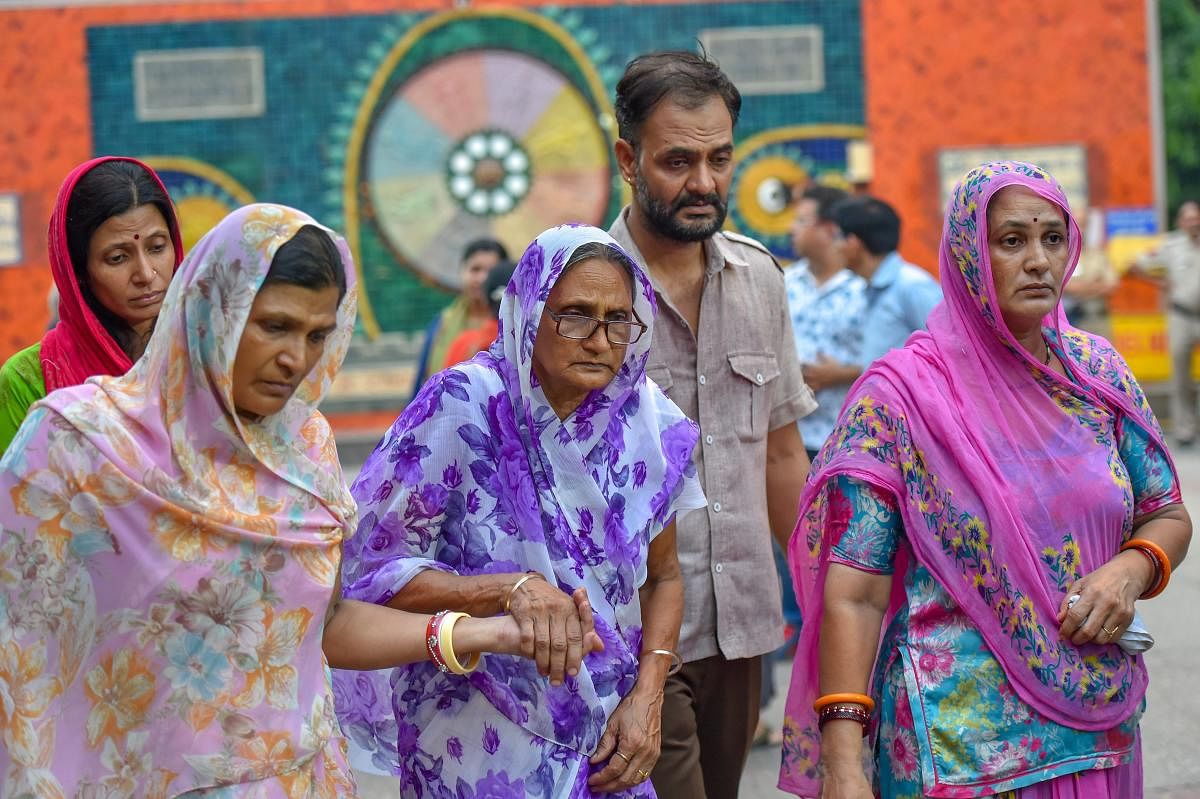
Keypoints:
(110, 189)
(687, 78)
(496, 282)
(826, 198)
(873, 221)
(309, 259)
(484, 245)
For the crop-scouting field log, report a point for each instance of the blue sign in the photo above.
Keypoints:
(1138, 221)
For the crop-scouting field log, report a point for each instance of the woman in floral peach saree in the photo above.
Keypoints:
(170, 545)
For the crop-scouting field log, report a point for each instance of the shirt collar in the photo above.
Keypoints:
(717, 249)
(888, 271)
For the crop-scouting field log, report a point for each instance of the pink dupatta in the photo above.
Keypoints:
(985, 450)
(165, 565)
(79, 347)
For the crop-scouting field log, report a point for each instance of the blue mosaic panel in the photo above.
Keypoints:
(401, 129)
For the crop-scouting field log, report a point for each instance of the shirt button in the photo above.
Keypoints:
(718, 568)
(758, 378)
(708, 439)
(701, 379)
(717, 507)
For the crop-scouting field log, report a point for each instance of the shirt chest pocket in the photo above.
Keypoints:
(753, 376)
(660, 375)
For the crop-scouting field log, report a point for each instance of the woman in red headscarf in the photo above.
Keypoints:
(114, 245)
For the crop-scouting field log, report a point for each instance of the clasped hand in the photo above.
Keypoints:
(1105, 604)
(557, 629)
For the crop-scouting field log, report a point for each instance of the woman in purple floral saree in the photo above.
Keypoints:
(544, 467)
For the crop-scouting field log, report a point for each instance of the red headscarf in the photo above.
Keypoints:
(79, 347)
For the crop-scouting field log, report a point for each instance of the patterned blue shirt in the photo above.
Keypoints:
(899, 299)
(827, 320)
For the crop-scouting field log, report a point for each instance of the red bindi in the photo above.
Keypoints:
(137, 236)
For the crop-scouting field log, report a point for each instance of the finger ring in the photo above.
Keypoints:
(1072, 599)
(1112, 632)
(642, 774)
(622, 755)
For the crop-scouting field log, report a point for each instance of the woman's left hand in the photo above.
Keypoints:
(631, 743)
(1106, 596)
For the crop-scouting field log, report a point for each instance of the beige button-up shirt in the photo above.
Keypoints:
(738, 377)
(1181, 257)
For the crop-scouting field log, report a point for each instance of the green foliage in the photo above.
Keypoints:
(1180, 27)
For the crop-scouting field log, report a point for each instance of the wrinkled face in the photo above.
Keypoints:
(568, 369)
(1027, 243)
(682, 169)
(130, 262)
(283, 340)
(474, 271)
(1188, 219)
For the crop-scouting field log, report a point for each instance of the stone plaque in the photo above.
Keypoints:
(212, 83)
(10, 230)
(775, 59)
(1066, 162)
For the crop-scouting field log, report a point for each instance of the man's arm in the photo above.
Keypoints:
(787, 470)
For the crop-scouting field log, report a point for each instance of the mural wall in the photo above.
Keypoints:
(416, 133)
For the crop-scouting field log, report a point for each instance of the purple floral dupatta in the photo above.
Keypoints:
(479, 475)
(997, 464)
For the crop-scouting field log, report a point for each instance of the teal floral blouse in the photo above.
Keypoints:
(947, 714)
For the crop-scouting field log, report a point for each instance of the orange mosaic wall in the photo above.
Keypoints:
(960, 73)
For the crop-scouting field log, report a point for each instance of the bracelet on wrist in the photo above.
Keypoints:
(853, 712)
(845, 698)
(439, 642)
(508, 597)
(1162, 564)
(676, 661)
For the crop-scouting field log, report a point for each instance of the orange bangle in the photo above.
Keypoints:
(1164, 564)
(835, 699)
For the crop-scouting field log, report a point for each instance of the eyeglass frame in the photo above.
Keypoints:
(641, 326)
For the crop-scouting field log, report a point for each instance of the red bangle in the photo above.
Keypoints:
(844, 712)
(433, 644)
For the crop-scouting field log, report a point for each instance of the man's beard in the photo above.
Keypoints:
(662, 217)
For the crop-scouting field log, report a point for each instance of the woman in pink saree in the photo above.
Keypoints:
(976, 531)
(170, 542)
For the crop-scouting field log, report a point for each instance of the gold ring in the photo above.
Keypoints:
(642, 774)
(1112, 632)
(622, 755)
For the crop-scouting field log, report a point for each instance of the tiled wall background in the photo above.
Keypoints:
(912, 78)
(318, 70)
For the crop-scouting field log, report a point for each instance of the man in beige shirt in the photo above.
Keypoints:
(724, 352)
(1179, 256)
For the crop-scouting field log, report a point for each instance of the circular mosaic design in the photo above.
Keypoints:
(488, 173)
(481, 143)
(203, 195)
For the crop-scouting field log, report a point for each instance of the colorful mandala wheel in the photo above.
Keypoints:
(482, 143)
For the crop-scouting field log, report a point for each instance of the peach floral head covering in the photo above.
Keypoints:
(165, 565)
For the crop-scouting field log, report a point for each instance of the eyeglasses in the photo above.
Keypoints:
(579, 327)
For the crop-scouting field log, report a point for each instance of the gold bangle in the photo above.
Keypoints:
(516, 585)
(446, 642)
(676, 661)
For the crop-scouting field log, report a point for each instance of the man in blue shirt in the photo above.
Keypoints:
(899, 296)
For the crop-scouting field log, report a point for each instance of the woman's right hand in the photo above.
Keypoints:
(849, 783)
(557, 629)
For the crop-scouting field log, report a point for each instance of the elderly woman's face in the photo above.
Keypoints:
(1027, 242)
(568, 369)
